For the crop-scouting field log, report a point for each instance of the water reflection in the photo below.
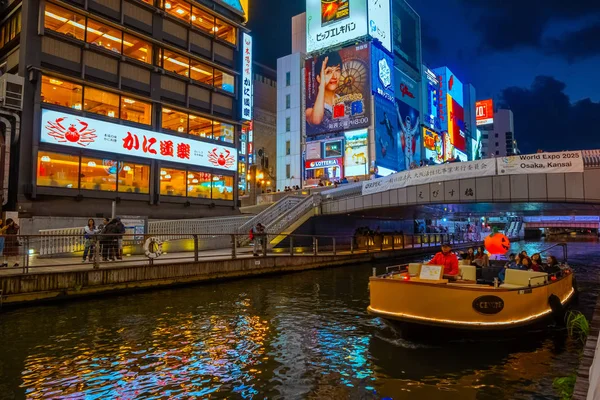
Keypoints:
(304, 335)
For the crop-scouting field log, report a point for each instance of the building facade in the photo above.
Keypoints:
(498, 139)
(131, 101)
(265, 121)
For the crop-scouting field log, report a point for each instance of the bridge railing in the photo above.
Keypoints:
(103, 251)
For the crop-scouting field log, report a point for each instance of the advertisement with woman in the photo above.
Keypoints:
(338, 91)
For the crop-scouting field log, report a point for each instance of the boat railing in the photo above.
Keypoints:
(545, 276)
(564, 248)
(395, 267)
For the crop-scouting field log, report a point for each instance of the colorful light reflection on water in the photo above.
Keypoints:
(304, 335)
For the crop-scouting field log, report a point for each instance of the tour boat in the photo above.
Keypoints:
(417, 296)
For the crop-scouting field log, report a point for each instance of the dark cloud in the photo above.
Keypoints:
(545, 118)
(576, 45)
(510, 24)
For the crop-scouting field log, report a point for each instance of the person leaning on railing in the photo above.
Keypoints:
(11, 242)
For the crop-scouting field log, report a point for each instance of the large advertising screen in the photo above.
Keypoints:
(476, 145)
(356, 154)
(406, 89)
(456, 124)
(410, 134)
(484, 112)
(79, 132)
(387, 140)
(379, 22)
(338, 90)
(407, 33)
(333, 22)
(431, 100)
(434, 148)
(382, 66)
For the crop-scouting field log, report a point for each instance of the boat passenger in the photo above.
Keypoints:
(512, 263)
(536, 263)
(552, 266)
(469, 255)
(446, 258)
(524, 253)
(526, 263)
(481, 258)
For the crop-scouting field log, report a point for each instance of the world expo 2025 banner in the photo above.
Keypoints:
(338, 90)
(410, 134)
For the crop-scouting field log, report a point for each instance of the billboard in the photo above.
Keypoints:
(434, 148)
(406, 89)
(379, 22)
(356, 154)
(383, 77)
(79, 132)
(431, 100)
(338, 90)
(247, 89)
(313, 150)
(407, 33)
(476, 145)
(484, 112)
(333, 22)
(387, 140)
(410, 134)
(456, 124)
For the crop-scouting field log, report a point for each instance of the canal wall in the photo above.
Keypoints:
(587, 385)
(45, 286)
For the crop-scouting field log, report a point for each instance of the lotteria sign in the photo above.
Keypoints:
(329, 162)
(89, 133)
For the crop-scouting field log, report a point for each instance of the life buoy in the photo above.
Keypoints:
(153, 247)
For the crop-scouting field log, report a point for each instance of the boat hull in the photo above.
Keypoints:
(465, 308)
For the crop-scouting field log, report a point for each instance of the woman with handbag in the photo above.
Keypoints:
(10, 231)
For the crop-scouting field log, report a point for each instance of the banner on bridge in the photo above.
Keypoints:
(541, 163)
(437, 173)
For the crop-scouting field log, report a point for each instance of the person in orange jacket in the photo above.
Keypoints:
(446, 258)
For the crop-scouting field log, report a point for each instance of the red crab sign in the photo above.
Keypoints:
(94, 134)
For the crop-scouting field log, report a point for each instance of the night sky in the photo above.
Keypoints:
(540, 58)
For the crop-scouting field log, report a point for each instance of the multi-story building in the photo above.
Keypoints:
(133, 101)
(498, 139)
(265, 121)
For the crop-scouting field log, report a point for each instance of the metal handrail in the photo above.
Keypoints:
(564, 246)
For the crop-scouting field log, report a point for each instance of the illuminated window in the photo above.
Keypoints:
(101, 102)
(176, 63)
(203, 21)
(61, 93)
(136, 111)
(199, 184)
(99, 174)
(57, 170)
(173, 182)
(104, 36)
(137, 48)
(224, 81)
(202, 72)
(201, 127)
(223, 132)
(134, 178)
(222, 187)
(179, 9)
(174, 120)
(67, 22)
(226, 32)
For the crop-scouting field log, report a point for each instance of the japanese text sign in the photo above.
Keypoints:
(247, 87)
(333, 22)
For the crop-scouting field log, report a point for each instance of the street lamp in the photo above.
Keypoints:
(261, 176)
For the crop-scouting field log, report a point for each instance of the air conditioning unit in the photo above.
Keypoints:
(11, 92)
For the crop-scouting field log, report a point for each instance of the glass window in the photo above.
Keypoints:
(200, 127)
(101, 102)
(199, 184)
(288, 169)
(288, 148)
(176, 63)
(61, 93)
(288, 101)
(136, 111)
(224, 81)
(104, 36)
(179, 9)
(288, 124)
(57, 170)
(288, 78)
(222, 187)
(223, 132)
(203, 21)
(173, 182)
(174, 120)
(201, 72)
(134, 178)
(225, 31)
(67, 22)
(98, 174)
(137, 48)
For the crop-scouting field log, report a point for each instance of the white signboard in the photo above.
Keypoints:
(247, 88)
(379, 22)
(431, 272)
(89, 133)
(332, 22)
(437, 173)
(541, 163)
(313, 150)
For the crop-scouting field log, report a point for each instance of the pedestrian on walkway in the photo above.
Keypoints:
(10, 230)
(88, 234)
(110, 236)
(259, 236)
(121, 229)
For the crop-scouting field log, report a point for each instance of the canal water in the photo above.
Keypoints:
(297, 336)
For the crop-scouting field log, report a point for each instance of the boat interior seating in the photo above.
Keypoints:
(413, 269)
(515, 278)
(468, 272)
